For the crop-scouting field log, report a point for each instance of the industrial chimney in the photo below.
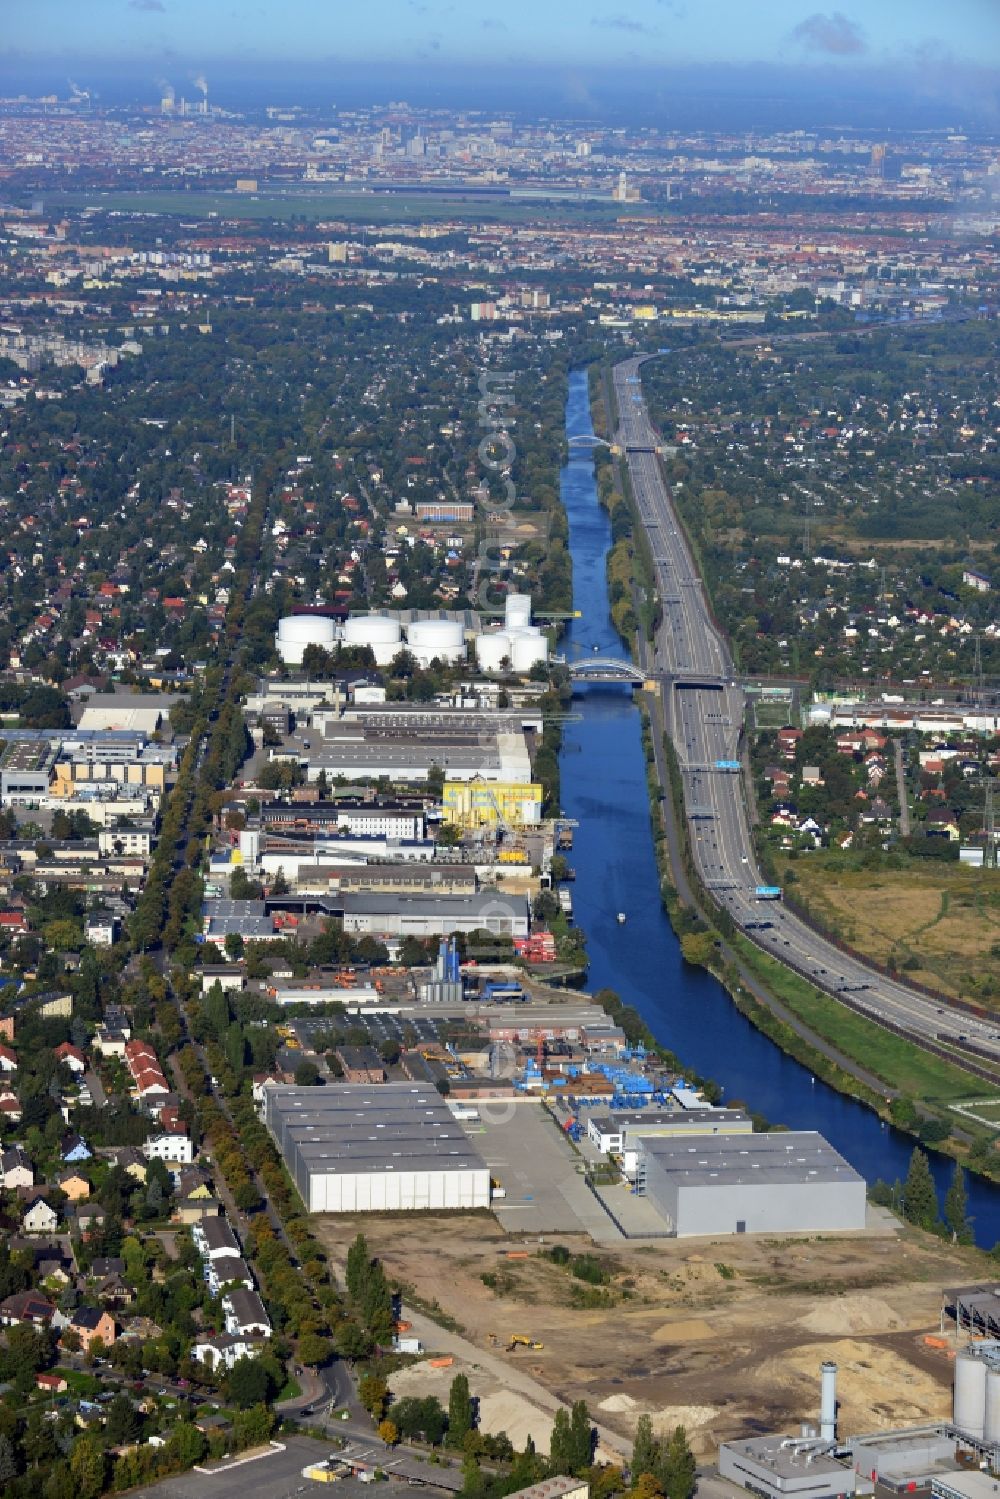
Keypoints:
(828, 1402)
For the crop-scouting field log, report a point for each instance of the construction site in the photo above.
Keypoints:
(724, 1337)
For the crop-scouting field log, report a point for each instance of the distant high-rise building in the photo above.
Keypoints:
(878, 161)
(620, 193)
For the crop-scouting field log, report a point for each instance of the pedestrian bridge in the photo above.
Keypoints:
(606, 669)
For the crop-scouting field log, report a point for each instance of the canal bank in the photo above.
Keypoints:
(603, 774)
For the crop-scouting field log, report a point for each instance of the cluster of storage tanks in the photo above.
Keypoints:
(977, 1392)
(425, 639)
(519, 645)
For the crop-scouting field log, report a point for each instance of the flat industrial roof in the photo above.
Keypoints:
(773, 1159)
(363, 1127)
(613, 1124)
(375, 903)
(785, 1462)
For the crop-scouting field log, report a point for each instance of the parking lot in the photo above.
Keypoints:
(277, 1475)
(540, 1172)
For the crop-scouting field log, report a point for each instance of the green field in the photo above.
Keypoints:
(368, 208)
(900, 1063)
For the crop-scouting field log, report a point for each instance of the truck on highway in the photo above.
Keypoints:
(767, 892)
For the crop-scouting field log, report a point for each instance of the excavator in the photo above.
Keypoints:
(519, 1341)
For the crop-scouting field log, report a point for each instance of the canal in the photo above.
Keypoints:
(603, 775)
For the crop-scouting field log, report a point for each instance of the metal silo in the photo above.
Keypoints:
(991, 1428)
(970, 1393)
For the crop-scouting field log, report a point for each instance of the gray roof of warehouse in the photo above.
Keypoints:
(376, 902)
(612, 1124)
(775, 1159)
(385, 1127)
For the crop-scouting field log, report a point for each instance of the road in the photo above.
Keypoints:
(703, 707)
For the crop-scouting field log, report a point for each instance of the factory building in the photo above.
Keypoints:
(394, 1147)
(785, 1468)
(386, 915)
(479, 804)
(620, 1133)
(782, 1182)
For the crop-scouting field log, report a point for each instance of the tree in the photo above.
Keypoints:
(561, 1444)
(581, 1436)
(956, 1208)
(373, 1392)
(248, 1383)
(8, 1464)
(677, 1473)
(313, 1350)
(919, 1197)
(387, 1431)
(460, 1411)
(88, 1466)
(645, 1448)
(306, 1074)
(123, 1421)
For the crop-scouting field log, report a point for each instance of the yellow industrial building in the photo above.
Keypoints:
(486, 804)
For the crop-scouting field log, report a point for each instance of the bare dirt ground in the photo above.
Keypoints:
(723, 1336)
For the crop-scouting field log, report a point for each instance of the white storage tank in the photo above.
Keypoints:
(492, 650)
(528, 647)
(991, 1425)
(296, 631)
(441, 639)
(517, 610)
(970, 1393)
(381, 632)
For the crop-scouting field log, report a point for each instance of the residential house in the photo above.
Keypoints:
(99, 928)
(75, 1185)
(40, 1218)
(10, 1106)
(170, 1147)
(130, 1158)
(244, 1314)
(74, 1149)
(72, 1057)
(89, 1218)
(116, 1292)
(51, 1384)
(223, 1351)
(16, 1169)
(91, 1323)
(8, 1059)
(214, 1237)
(26, 1309)
(228, 1270)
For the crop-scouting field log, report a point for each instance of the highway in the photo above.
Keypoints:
(704, 711)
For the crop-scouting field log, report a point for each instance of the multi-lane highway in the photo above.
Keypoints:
(703, 711)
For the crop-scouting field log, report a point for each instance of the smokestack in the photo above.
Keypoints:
(828, 1402)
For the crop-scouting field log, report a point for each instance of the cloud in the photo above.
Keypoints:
(621, 22)
(146, 5)
(490, 23)
(833, 34)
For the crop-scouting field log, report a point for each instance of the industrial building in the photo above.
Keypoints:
(393, 1147)
(620, 1133)
(781, 1182)
(387, 915)
(478, 803)
(785, 1468)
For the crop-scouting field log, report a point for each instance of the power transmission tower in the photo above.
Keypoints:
(977, 669)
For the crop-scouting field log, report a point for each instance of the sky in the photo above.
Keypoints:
(787, 33)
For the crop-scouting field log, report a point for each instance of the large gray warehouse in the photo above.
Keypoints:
(780, 1182)
(375, 1148)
